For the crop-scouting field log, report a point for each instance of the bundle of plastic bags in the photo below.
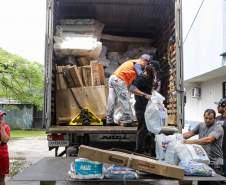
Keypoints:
(193, 168)
(172, 150)
(171, 156)
(119, 172)
(162, 144)
(83, 168)
(155, 113)
(192, 152)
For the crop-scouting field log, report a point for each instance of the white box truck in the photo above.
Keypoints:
(159, 21)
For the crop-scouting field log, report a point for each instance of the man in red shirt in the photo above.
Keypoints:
(4, 155)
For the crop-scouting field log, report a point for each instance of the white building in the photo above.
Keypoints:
(204, 32)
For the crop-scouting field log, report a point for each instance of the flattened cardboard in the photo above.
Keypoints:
(93, 97)
(133, 161)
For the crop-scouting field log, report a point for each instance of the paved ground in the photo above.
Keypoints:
(23, 153)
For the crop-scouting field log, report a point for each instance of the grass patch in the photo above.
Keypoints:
(27, 133)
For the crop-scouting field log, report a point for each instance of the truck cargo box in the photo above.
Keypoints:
(128, 25)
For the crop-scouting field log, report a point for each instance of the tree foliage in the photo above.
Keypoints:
(21, 79)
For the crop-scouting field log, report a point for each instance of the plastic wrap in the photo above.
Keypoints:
(80, 26)
(119, 172)
(193, 168)
(85, 169)
(77, 45)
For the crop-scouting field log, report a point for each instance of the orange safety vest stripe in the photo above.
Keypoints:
(126, 72)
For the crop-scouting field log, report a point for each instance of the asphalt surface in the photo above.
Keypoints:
(24, 152)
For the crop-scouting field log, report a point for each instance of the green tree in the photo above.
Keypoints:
(21, 79)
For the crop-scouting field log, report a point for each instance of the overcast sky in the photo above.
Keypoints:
(22, 29)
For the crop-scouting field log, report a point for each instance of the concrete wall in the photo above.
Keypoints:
(204, 44)
(211, 91)
(18, 116)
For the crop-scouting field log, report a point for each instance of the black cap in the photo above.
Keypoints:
(222, 102)
(147, 57)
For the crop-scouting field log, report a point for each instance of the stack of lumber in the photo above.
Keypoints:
(88, 75)
(87, 84)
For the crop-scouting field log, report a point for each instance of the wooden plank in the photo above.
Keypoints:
(83, 61)
(101, 73)
(86, 75)
(70, 81)
(60, 81)
(172, 119)
(97, 73)
(125, 39)
(76, 76)
(95, 76)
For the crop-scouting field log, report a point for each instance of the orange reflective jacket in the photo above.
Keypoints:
(126, 72)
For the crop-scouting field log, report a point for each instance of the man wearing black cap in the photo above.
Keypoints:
(221, 120)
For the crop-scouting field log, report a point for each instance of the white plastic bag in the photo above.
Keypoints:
(155, 113)
(159, 150)
(171, 156)
(162, 144)
(192, 152)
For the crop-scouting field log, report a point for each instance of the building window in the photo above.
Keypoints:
(224, 60)
(224, 89)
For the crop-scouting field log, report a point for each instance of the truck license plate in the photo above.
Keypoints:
(58, 143)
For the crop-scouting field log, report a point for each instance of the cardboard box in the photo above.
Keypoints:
(93, 97)
(133, 161)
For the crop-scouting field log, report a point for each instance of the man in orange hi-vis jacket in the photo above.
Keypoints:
(119, 83)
